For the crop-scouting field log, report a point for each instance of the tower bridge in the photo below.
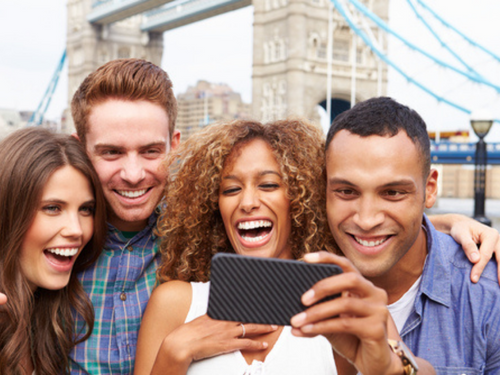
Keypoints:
(291, 55)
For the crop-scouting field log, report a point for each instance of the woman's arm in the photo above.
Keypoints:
(167, 309)
(167, 345)
(469, 232)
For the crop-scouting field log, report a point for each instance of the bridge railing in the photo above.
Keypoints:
(461, 153)
(181, 12)
(98, 3)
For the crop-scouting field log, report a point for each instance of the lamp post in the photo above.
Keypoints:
(481, 122)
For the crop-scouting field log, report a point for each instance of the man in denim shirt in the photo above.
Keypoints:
(379, 182)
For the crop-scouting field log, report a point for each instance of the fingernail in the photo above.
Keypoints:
(308, 296)
(474, 257)
(307, 328)
(298, 319)
(265, 344)
(274, 326)
(475, 278)
(311, 257)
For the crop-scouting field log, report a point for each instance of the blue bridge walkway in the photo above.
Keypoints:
(461, 153)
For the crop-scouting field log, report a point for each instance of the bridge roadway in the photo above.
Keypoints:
(461, 153)
(161, 15)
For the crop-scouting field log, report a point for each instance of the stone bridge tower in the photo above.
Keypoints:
(290, 59)
(289, 55)
(89, 46)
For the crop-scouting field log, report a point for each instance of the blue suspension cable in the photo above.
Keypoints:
(443, 44)
(37, 116)
(389, 62)
(387, 29)
(496, 57)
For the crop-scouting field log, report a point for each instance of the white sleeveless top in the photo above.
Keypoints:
(290, 355)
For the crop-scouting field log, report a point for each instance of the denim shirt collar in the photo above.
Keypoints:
(436, 277)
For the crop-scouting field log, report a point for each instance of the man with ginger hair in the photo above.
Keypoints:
(124, 114)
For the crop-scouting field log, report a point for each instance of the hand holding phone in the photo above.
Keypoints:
(261, 290)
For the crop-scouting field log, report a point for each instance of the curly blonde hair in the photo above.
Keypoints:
(191, 226)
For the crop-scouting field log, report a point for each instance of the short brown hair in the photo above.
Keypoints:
(126, 79)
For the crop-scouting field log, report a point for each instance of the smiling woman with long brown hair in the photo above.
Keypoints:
(52, 225)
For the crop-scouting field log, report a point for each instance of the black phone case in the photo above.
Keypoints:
(261, 290)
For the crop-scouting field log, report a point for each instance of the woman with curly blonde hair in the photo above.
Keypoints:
(245, 188)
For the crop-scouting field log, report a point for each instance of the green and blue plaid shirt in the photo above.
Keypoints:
(119, 285)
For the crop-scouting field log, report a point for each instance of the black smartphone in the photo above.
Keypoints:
(261, 290)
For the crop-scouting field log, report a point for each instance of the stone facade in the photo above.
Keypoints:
(290, 58)
(207, 103)
(90, 46)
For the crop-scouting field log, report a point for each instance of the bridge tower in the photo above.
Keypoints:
(290, 59)
(90, 45)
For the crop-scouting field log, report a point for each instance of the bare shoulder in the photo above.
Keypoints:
(172, 298)
(166, 310)
(174, 291)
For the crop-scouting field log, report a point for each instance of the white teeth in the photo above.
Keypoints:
(132, 194)
(254, 224)
(253, 239)
(370, 243)
(64, 252)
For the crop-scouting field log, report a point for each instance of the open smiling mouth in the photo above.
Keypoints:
(253, 231)
(61, 255)
(366, 243)
(132, 193)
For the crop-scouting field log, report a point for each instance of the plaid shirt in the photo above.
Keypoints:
(119, 285)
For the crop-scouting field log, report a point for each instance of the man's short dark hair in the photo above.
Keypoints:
(384, 117)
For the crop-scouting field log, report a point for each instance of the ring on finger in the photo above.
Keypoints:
(244, 331)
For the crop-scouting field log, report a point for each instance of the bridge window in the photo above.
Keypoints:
(321, 51)
(359, 55)
(277, 51)
(103, 57)
(341, 50)
(124, 53)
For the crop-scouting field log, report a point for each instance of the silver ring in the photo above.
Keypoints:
(244, 331)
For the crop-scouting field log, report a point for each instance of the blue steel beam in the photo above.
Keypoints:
(461, 153)
(108, 11)
(37, 116)
(185, 12)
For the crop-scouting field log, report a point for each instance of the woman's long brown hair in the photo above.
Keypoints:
(40, 323)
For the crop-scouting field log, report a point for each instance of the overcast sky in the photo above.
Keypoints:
(33, 34)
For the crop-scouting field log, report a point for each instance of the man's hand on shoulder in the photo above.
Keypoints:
(470, 233)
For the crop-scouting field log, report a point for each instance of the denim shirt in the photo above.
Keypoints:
(455, 324)
(119, 285)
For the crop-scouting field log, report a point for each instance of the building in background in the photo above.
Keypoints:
(206, 103)
(457, 180)
(12, 120)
